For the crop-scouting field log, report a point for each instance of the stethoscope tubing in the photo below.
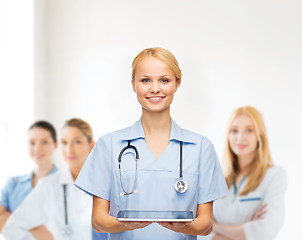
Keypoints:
(65, 205)
(181, 186)
(136, 168)
(66, 230)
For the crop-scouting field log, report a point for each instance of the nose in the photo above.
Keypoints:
(37, 147)
(69, 148)
(241, 135)
(154, 87)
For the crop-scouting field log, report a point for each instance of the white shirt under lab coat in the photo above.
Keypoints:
(45, 206)
(234, 209)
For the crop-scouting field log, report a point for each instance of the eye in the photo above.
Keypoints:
(234, 130)
(31, 143)
(249, 130)
(164, 80)
(63, 143)
(145, 80)
(78, 142)
(44, 142)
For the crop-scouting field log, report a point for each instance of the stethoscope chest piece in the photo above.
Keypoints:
(66, 230)
(181, 186)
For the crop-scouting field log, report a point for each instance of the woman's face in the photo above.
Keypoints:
(41, 145)
(74, 146)
(242, 136)
(154, 84)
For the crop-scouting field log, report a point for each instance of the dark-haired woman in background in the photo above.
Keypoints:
(42, 142)
(56, 204)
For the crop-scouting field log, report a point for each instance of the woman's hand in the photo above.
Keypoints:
(4, 215)
(259, 214)
(174, 226)
(135, 225)
(41, 233)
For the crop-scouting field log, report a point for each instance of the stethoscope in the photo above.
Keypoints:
(181, 186)
(66, 230)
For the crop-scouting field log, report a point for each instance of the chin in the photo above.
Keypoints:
(156, 109)
(40, 161)
(244, 153)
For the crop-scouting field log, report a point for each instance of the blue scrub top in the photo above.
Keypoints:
(99, 236)
(16, 190)
(156, 177)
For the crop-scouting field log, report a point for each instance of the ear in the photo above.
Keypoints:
(92, 145)
(133, 85)
(177, 84)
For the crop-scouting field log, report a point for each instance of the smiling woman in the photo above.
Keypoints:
(56, 206)
(254, 207)
(42, 142)
(76, 141)
(154, 84)
(179, 170)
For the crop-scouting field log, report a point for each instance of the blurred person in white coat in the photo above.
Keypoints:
(254, 208)
(56, 204)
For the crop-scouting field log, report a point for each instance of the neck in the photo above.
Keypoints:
(43, 171)
(155, 123)
(75, 172)
(244, 164)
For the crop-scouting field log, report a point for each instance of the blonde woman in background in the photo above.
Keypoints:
(254, 208)
(56, 204)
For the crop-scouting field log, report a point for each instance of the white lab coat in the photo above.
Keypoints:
(235, 209)
(45, 206)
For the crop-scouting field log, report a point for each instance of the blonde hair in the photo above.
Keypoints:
(161, 54)
(80, 124)
(262, 160)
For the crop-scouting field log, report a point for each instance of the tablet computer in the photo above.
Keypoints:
(155, 216)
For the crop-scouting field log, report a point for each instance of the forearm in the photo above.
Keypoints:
(235, 232)
(3, 218)
(202, 225)
(41, 233)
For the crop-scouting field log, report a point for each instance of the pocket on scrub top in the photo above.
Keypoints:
(248, 205)
(251, 199)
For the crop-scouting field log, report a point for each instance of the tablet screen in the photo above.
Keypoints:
(155, 216)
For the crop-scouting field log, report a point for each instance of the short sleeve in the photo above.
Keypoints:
(95, 175)
(212, 185)
(269, 227)
(30, 214)
(5, 192)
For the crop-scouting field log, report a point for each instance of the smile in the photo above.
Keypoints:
(155, 99)
(241, 146)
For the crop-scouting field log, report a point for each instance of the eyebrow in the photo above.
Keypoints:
(248, 126)
(75, 138)
(162, 76)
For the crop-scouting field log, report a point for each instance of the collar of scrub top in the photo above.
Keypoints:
(136, 131)
(29, 176)
(237, 190)
(66, 177)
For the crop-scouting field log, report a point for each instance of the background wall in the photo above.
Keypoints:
(232, 53)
